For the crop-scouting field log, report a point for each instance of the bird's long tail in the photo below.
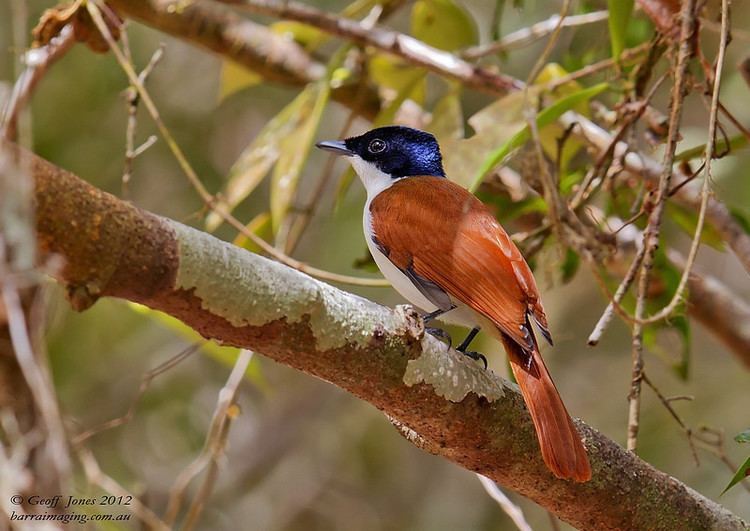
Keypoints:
(562, 449)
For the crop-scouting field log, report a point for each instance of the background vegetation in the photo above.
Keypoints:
(302, 454)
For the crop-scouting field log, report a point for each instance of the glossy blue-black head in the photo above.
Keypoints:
(395, 150)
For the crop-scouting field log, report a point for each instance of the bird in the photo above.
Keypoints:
(444, 251)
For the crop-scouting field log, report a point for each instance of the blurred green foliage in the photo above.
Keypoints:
(302, 454)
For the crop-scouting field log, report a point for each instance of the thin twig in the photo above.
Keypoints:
(38, 61)
(533, 33)
(36, 375)
(625, 57)
(677, 298)
(652, 232)
(551, 191)
(146, 380)
(213, 449)
(667, 403)
(131, 95)
(210, 200)
(96, 476)
(513, 511)
(585, 190)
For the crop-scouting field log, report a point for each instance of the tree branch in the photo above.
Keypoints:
(404, 46)
(254, 46)
(213, 26)
(112, 248)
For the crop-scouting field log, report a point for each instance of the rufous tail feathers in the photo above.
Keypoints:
(562, 449)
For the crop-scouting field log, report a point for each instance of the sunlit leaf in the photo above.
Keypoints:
(311, 37)
(735, 143)
(493, 126)
(544, 117)
(260, 225)
(549, 135)
(295, 148)
(742, 472)
(256, 159)
(447, 117)
(388, 71)
(743, 437)
(236, 77)
(305, 35)
(687, 219)
(442, 24)
(569, 266)
(619, 16)
(225, 355)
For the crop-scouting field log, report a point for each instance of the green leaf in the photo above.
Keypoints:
(493, 125)
(442, 24)
(260, 225)
(669, 276)
(735, 143)
(545, 117)
(234, 78)
(550, 135)
(742, 472)
(687, 220)
(569, 266)
(310, 37)
(447, 117)
(295, 147)
(741, 219)
(743, 437)
(393, 73)
(259, 156)
(305, 35)
(619, 16)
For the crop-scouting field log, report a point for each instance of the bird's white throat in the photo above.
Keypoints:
(374, 180)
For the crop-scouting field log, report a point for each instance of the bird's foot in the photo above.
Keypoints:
(440, 334)
(477, 356)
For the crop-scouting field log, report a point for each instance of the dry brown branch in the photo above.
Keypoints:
(404, 46)
(513, 511)
(96, 476)
(213, 449)
(651, 234)
(119, 250)
(533, 33)
(37, 60)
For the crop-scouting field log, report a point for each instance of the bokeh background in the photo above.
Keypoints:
(304, 455)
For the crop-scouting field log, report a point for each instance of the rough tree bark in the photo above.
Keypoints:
(449, 407)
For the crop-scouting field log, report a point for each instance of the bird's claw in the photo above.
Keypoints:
(440, 334)
(477, 356)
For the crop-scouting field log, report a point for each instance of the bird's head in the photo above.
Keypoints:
(394, 151)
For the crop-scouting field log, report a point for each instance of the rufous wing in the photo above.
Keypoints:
(444, 234)
(436, 229)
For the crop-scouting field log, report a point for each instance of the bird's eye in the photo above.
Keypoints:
(376, 146)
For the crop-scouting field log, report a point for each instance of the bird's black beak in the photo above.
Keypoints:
(337, 147)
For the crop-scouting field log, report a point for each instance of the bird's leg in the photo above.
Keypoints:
(465, 344)
(426, 318)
